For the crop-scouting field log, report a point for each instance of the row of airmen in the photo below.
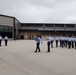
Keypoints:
(68, 42)
(5, 39)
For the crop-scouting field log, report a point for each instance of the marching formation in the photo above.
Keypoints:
(62, 41)
(67, 42)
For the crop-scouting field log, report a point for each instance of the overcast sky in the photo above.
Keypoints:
(40, 11)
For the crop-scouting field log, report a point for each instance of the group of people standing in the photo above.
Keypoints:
(62, 41)
(5, 39)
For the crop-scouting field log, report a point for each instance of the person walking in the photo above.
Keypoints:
(66, 41)
(75, 41)
(6, 40)
(56, 40)
(72, 41)
(38, 40)
(60, 41)
(52, 40)
(0, 40)
(69, 42)
(48, 43)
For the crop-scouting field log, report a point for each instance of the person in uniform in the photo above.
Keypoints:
(56, 40)
(6, 40)
(72, 41)
(38, 40)
(52, 40)
(48, 43)
(69, 43)
(60, 41)
(75, 42)
(66, 41)
(0, 40)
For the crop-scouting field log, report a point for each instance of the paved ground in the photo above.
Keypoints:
(18, 58)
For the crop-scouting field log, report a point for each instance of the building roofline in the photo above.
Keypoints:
(10, 17)
(6, 16)
(32, 23)
(47, 23)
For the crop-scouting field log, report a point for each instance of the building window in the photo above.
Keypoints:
(5, 29)
(10, 29)
(1, 28)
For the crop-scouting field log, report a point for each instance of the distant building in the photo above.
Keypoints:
(11, 27)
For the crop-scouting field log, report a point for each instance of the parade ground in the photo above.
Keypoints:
(19, 58)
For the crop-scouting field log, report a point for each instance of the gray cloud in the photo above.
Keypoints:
(40, 11)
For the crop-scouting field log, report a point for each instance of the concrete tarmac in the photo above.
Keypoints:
(19, 58)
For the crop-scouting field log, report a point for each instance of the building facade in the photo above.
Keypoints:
(30, 30)
(11, 27)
